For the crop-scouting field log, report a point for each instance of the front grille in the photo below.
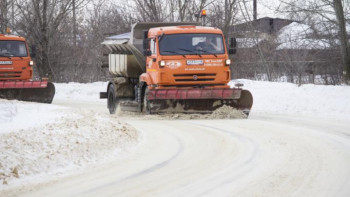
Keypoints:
(194, 77)
(191, 75)
(10, 74)
(194, 85)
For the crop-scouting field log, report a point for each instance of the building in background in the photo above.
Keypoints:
(282, 49)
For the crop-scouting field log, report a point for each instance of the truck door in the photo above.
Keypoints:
(152, 59)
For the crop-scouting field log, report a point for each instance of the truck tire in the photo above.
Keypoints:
(112, 101)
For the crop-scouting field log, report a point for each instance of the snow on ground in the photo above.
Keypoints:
(38, 140)
(66, 145)
(307, 100)
(80, 92)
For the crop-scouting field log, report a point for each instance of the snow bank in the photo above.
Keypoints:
(16, 115)
(79, 139)
(309, 100)
(79, 91)
(37, 140)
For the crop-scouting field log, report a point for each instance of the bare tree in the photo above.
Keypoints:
(74, 8)
(195, 8)
(151, 10)
(183, 9)
(223, 14)
(4, 6)
(343, 37)
(333, 14)
(41, 21)
(230, 12)
(264, 63)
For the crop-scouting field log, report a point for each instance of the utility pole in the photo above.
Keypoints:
(74, 24)
(255, 11)
(13, 14)
(226, 4)
(225, 22)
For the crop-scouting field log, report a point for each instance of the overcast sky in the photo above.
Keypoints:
(267, 7)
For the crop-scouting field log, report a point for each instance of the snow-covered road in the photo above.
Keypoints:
(265, 155)
(262, 156)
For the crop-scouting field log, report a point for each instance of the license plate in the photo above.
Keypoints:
(194, 62)
(5, 62)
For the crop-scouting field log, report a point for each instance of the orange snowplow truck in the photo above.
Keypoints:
(16, 73)
(170, 68)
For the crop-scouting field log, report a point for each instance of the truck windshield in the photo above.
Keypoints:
(191, 44)
(13, 49)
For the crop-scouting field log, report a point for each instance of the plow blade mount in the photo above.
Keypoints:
(33, 91)
(197, 100)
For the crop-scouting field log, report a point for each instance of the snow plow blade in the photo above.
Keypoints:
(197, 100)
(33, 91)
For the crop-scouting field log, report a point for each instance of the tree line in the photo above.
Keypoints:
(67, 34)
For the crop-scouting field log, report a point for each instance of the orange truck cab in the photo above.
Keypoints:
(15, 60)
(186, 56)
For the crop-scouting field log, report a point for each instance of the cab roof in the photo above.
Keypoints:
(153, 32)
(11, 37)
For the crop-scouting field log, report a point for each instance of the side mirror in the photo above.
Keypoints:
(232, 51)
(147, 53)
(146, 49)
(233, 46)
(145, 44)
(33, 51)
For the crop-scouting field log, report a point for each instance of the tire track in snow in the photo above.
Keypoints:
(151, 169)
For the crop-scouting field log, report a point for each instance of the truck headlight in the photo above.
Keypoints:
(162, 63)
(228, 62)
(31, 63)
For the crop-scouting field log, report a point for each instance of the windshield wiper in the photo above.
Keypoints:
(200, 50)
(185, 50)
(204, 51)
(6, 54)
(191, 52)
(175, 53)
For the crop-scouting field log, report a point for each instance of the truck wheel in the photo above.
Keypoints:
(146, 108)
(111, 100)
